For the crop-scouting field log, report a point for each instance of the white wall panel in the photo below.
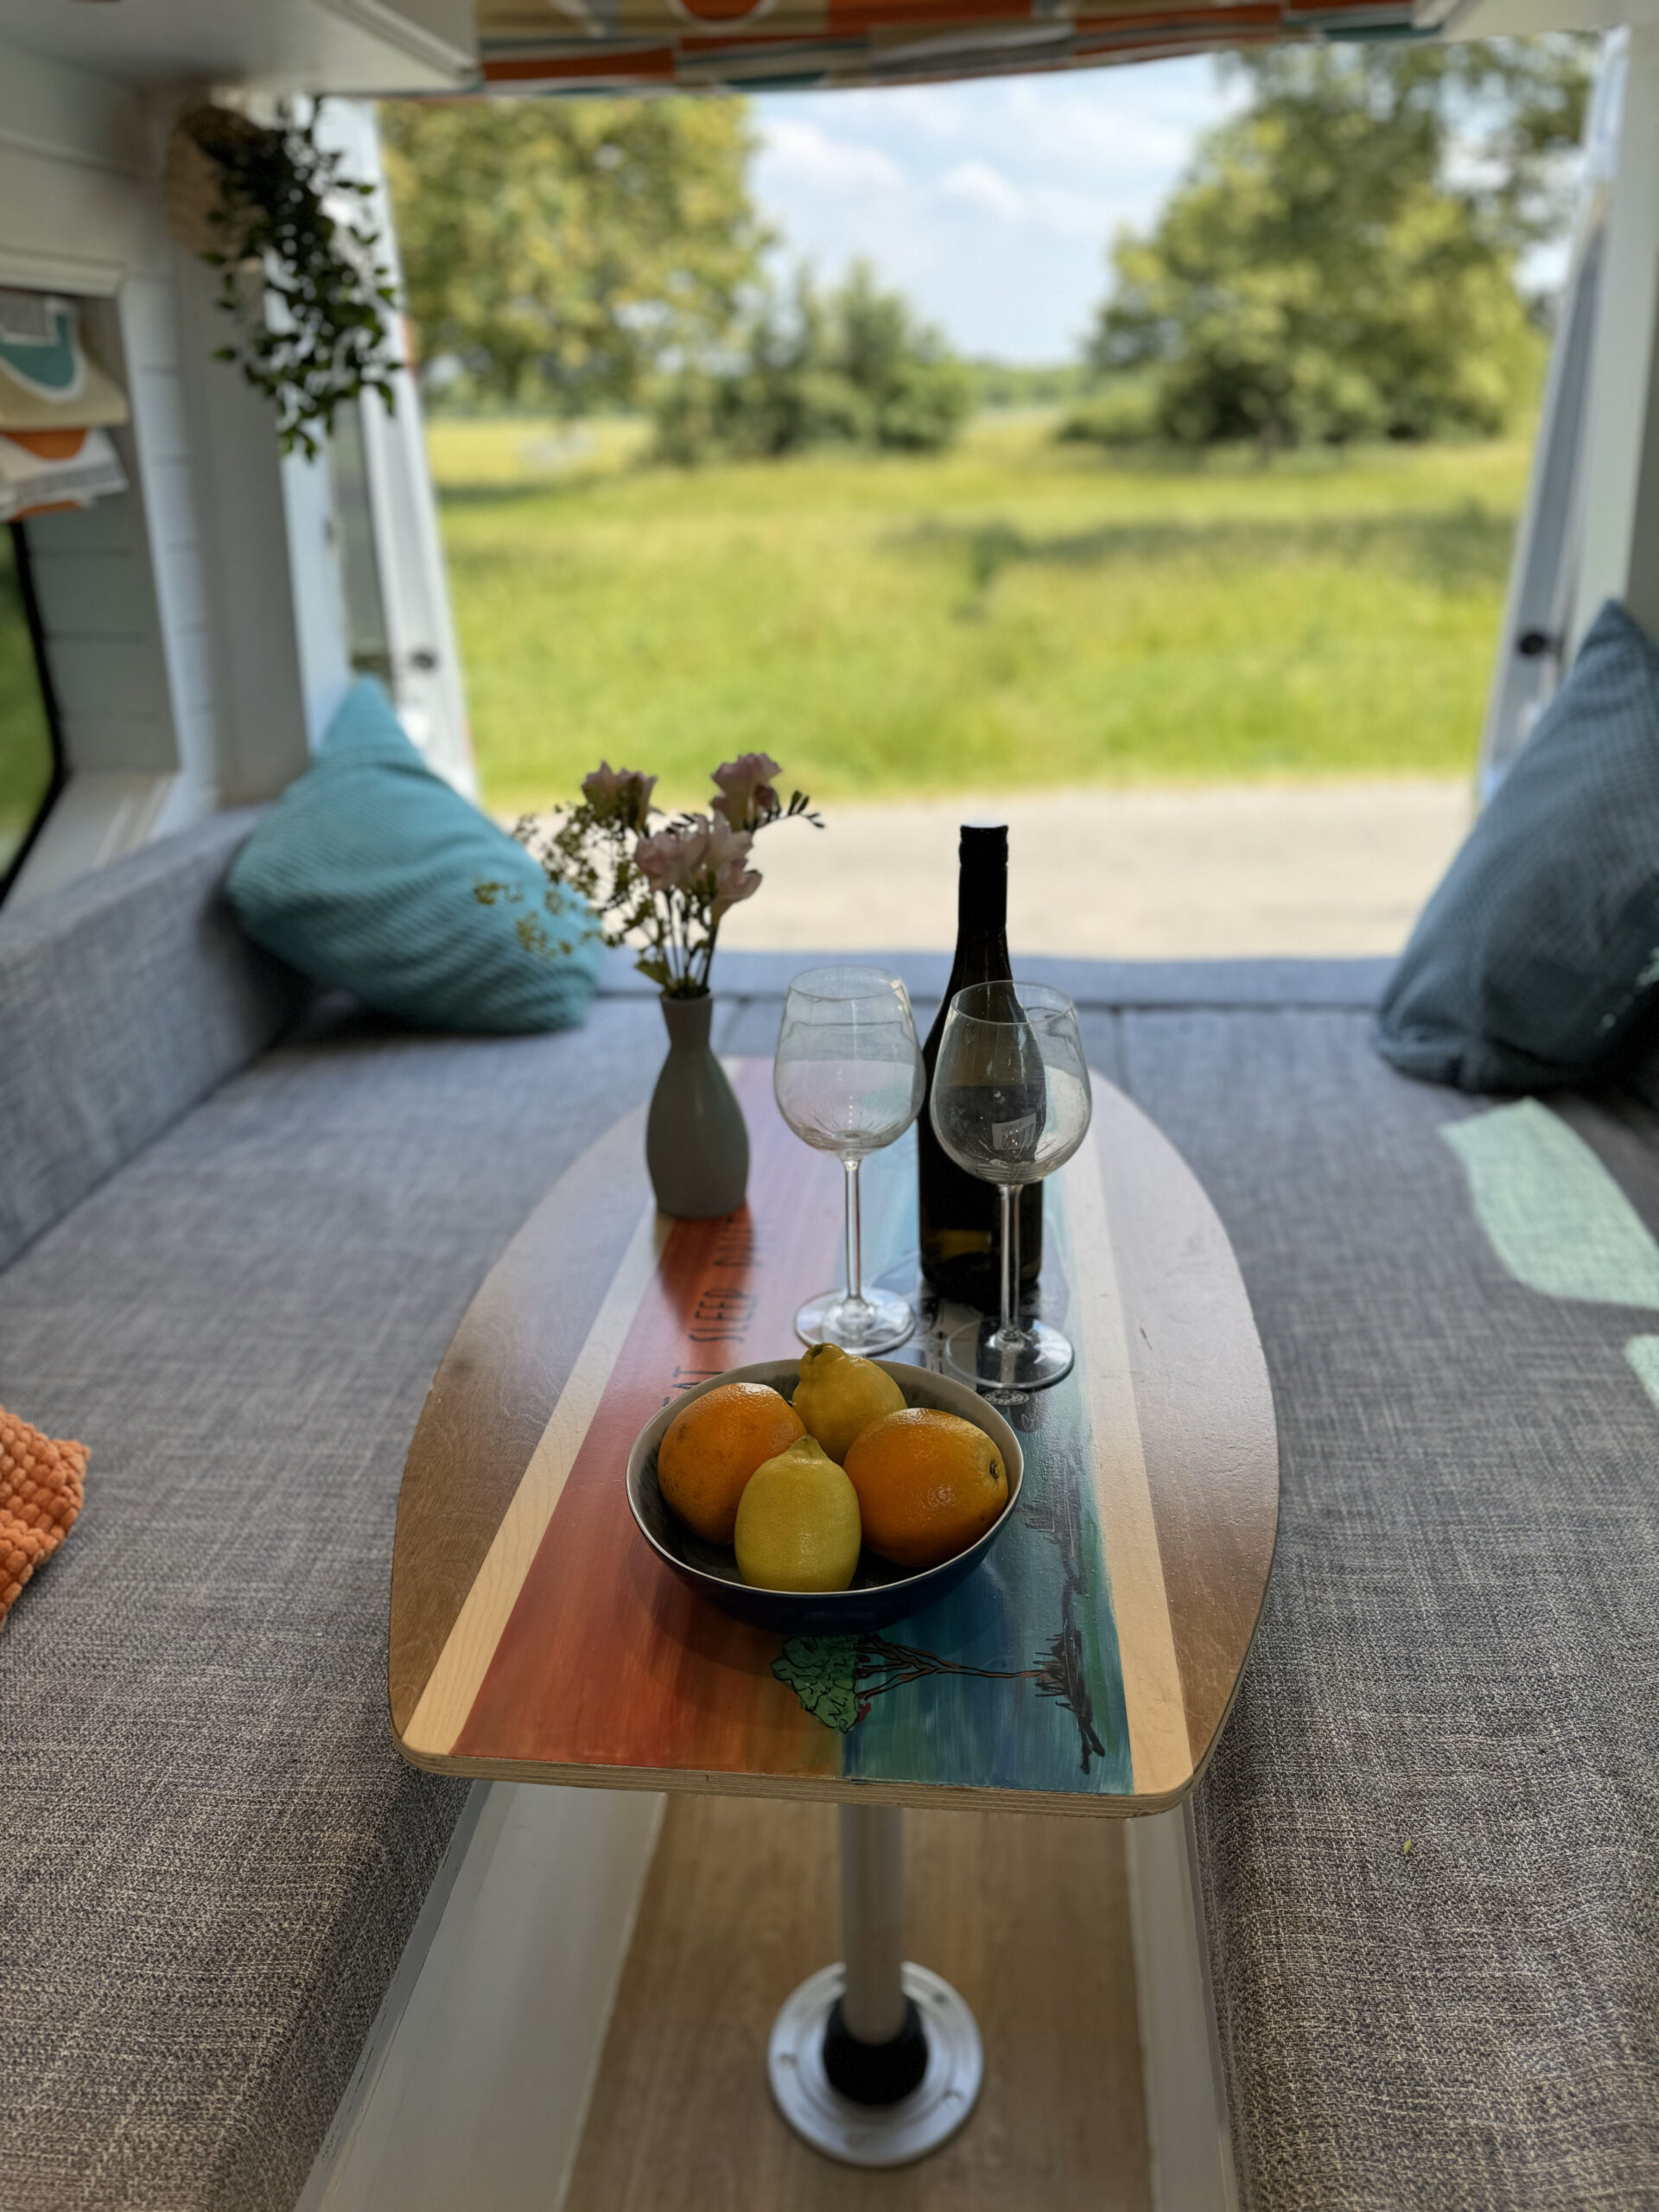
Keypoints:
(122, 586)
(194, 625)
(83, 593)
(1621, 513)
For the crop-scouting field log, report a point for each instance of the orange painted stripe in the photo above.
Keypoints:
(607, 1659)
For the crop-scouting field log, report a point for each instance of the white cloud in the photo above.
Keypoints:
(1071, 215)
(992, 202)
(802, 154)
(927, 111)
(978, 186)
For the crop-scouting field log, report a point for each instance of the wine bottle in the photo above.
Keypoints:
(961, 1253)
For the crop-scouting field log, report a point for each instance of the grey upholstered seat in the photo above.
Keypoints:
(210, 1855)
(1460, 1647)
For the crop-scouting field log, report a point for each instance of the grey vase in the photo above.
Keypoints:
(697, 1146)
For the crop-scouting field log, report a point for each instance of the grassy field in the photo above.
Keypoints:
(1013, 612)
(25, 740)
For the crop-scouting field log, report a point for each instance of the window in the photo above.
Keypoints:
(31, 761)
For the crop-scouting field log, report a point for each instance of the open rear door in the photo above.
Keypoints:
(1538, 615)
(392, 584)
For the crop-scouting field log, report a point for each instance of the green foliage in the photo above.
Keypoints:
(307, 290)
(1124, 414)
(850, 367)
(1327, 269)
(1012, 612)
(1005, 384)
(560, 250)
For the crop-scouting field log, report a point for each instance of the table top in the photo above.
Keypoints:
(1086, 1667)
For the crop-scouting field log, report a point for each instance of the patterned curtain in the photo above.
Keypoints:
(57, 407)
(624, 46)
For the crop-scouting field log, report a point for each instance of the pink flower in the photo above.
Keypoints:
(700, 858)
(734, 884)
(735, 880)
(747, 792)
(726, 845)
(621, 794)
(675, 857)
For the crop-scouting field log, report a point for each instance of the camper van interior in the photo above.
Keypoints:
(1146, 1693)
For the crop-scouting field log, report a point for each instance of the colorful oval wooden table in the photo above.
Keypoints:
(1087, 1668)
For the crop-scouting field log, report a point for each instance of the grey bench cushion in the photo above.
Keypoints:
(1460, 1647)
(124, 1000)
(210, 1853)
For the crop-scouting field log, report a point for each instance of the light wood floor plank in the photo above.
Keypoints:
(1028, 1916)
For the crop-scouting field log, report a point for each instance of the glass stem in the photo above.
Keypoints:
(855, 1237)
(1009, 1194)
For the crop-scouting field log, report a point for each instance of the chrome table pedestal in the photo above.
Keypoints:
(874, 2062)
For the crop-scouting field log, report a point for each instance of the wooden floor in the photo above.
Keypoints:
(1028, 1916)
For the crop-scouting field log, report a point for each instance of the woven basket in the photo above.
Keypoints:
(193, 184)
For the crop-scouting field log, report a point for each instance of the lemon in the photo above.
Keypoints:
(840, 1395)
(797, 1525)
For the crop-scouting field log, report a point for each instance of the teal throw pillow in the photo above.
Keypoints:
(365, 875)
(1536, 961)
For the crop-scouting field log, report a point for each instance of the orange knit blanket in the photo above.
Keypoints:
(40, 1488)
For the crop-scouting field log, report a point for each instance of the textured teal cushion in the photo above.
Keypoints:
(1536, 961)
(364, 872)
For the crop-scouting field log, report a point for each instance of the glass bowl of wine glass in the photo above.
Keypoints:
(847, 1078)
(1011, 1104)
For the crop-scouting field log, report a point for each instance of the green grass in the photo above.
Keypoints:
(25, 740)
(1014, 613)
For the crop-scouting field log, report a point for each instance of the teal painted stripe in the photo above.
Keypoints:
(1013, 1681)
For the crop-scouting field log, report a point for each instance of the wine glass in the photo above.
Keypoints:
(847, 1078)
(1011, 1104)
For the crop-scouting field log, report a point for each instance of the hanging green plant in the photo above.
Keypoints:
(299, 270)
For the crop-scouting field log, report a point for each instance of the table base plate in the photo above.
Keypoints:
(875, 2135)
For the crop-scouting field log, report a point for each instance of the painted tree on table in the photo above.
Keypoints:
(837, 1678)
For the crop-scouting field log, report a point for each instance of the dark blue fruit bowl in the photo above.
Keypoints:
(880, 1592)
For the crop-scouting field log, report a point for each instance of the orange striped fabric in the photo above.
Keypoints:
(760, 45)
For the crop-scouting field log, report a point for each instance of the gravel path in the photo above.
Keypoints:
(1171, 874)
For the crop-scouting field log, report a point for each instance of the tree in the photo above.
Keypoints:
(560, 250)
(1341, 260)
(852, 366)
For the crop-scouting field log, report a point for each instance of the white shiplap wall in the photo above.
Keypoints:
(193, 628)
(78, 212)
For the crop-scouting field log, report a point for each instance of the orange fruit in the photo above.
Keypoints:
(929, 1484)
(712, 1447)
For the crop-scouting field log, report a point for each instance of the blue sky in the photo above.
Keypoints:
(992, 203)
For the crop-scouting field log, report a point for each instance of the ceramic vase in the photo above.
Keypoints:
(697, 1146)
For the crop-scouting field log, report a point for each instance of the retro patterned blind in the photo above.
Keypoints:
(550, 46)
(57, 407)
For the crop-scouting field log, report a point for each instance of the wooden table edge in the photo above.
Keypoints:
(844, 1790)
